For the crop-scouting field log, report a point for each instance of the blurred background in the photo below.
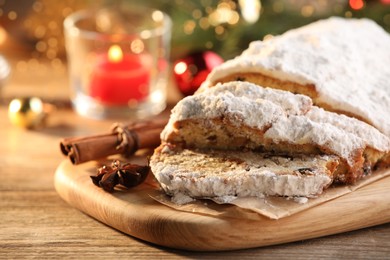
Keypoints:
(31, 32)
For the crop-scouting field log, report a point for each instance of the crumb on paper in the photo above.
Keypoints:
(224, 199)
(301, 200)
(181, 199)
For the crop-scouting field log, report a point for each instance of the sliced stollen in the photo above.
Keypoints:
(225, 175)
(276, 121)
(342, 64)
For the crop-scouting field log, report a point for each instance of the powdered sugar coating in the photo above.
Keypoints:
(210, 106)
(294, 104)
(373, 138)
(243, 102)
(346, 59)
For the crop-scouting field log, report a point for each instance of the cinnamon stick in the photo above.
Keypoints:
(123, 139)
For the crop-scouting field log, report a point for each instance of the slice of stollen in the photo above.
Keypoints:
(342, 64)
(276, 121)
(225, 175)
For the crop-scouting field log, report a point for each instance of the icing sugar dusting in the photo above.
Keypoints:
(210, 106)
(371, 135)
(346, 59)
(292, 103)
(241, 102)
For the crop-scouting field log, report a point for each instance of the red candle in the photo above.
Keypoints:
(120, 78)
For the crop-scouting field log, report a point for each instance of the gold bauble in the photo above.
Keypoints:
(26, 112)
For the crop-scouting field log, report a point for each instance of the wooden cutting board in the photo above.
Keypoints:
(135, 213)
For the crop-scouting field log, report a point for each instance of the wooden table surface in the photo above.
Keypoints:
(37, 223)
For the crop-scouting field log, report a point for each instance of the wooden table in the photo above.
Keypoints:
(37, 223)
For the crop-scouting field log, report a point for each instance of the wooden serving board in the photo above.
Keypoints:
(135, 213)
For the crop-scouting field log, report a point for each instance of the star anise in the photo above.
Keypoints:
(128, 175)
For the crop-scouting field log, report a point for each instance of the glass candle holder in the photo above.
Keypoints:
(5, 71)
(118, 61)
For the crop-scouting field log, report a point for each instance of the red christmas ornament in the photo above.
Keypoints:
(192, 70)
